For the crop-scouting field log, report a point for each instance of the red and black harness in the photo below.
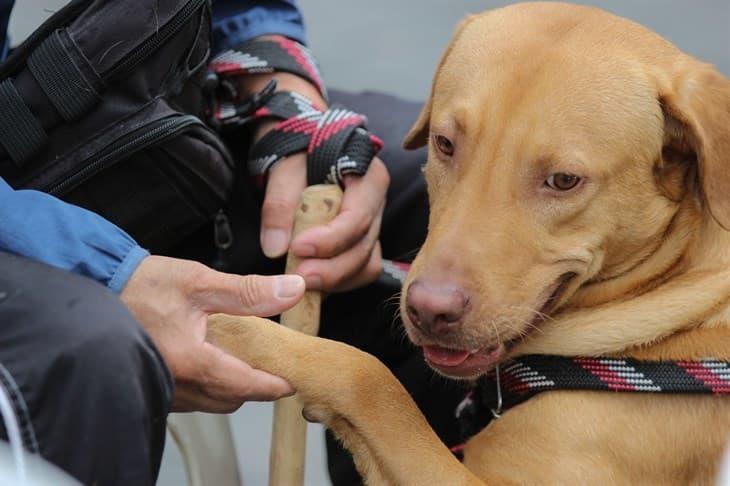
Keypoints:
(518, 380)
(335, 140)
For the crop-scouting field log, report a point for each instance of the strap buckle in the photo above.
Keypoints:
(245, 111)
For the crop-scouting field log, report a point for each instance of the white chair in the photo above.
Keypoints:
(206, 445)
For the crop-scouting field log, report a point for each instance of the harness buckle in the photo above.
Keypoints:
(497, 412)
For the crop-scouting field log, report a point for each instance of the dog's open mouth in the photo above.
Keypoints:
(460, 363)
(463, 364)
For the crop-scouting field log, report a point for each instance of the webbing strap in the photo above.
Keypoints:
(21, 134)
(336, 140)
(276, 53)
(527, 376)
(61, 80)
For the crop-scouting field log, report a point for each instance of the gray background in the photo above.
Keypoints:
(393, 45)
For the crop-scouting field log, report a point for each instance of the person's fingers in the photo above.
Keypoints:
(287, 180)
(334, 273)
(365, 275)
(363, 198)
(228, 379)
(190, 398)
(247, 295)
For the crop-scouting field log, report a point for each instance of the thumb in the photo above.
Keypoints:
(248, 295)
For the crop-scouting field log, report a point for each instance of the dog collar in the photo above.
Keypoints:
(527, 376)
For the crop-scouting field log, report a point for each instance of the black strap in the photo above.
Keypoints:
(336, 140)
(21, 134)
(276, 54)
(61, 79)
(527, 376)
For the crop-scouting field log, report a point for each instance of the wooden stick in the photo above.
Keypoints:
(319, 205)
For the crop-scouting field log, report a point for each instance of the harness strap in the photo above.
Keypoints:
(335, 140)
(528, 376)
(21, 134)
(276, 53)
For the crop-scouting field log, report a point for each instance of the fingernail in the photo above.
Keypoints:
(314, 282)
(288, 286)
(306, 251)
(274, 242)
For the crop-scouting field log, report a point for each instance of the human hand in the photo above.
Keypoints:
(173, 298)
(343, 254)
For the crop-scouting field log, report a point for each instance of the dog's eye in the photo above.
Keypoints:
(443, 145)
(561, 181)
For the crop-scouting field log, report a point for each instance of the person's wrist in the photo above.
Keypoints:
(250, 84)
(132, 260)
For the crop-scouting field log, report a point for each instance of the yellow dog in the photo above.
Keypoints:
(579, 178)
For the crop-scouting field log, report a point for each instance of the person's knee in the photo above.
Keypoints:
(85, 371)
(116, 357)
(100, 351)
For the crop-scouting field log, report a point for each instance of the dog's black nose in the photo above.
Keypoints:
(435, 308)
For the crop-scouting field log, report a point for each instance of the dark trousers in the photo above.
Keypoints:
(90, 390)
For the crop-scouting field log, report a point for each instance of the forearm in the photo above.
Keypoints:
(45, 229)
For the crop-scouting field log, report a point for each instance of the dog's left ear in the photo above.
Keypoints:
(696, 105)
(417, 136)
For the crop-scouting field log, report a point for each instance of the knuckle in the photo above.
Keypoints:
(199, 276)
(277, 206)
(250, 290)
(373, 268)
(380, 172)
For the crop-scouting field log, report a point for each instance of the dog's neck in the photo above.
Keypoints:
(684, 284)
(663, 258)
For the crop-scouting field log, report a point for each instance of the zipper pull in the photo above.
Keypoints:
(222, 233)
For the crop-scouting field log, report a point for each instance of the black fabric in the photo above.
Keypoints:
(89, 385)
(116, 85)
(20, 133)
(61, 79)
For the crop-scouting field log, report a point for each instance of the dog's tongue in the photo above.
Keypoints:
(444, 356)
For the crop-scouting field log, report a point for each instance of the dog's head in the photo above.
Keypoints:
(566, 145)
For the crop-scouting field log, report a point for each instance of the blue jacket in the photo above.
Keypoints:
(40, 227)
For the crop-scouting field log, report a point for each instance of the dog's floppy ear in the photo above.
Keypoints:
(696, 105)
(417, 136)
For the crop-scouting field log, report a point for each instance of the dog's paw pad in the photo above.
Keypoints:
(315, 415)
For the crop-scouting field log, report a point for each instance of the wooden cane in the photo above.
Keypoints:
(318, 205)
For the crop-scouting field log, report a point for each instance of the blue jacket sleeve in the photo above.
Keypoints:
(236, 21)
(45, 229)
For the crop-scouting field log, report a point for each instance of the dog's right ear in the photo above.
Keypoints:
(696, 105)
(417, 136)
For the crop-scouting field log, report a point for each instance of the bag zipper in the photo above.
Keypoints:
(160, 37)
(123, 147)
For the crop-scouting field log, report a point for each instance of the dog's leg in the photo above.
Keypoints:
(352, 393)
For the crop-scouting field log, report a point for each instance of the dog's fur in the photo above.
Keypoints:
(524, 92)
